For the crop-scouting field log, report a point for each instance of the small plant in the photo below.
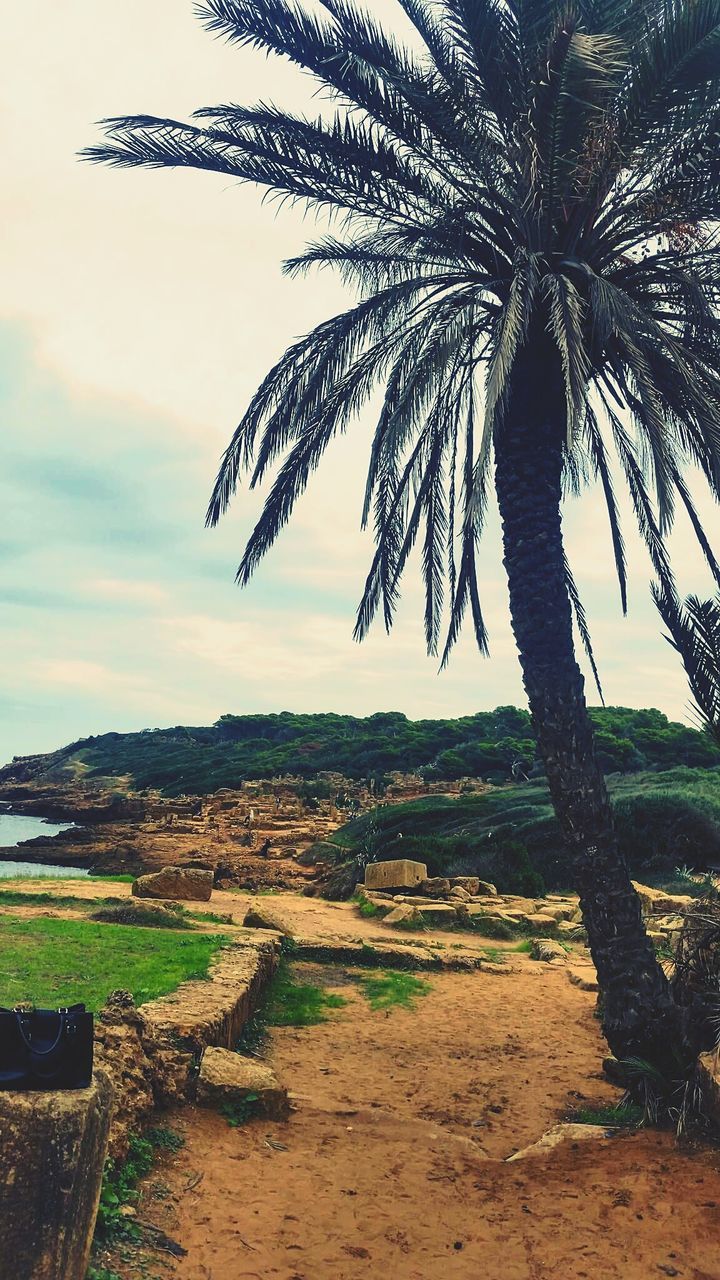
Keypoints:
(494, 955)
(238, 1113)
(101, 1273)
(392, 989)
(366, 908)
(164, 1139)
(119, 1189)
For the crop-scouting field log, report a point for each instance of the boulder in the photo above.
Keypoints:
(52, 1157)
(435, 887)
(658, 902)
(400, 873)
(486, 890)
(540, 923)
(457, 894)
(179, 884)
(263, 915)
(227, 1077)
(403, 914)
(470, 884)
(547, 950)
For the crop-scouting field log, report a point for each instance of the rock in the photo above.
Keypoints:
(470, 884)
(558, 910)
(486, 890)
(658, 902)
(547, 950)
(442, 914)
(559, 1134)
(403, 915)
(263, 915)
(568, 929)
(401, 873)
(228, 1077)
(585, 979)
(51, 1165)
(458, 894)
(540, 923)
(435, 887)
(179, 884)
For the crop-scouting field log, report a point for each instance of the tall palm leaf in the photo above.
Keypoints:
(527, 203)
(695, 633)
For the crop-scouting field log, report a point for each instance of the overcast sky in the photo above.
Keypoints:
(138, 311)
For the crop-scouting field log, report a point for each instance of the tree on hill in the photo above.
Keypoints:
(526, 199)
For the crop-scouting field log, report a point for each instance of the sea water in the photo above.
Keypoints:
(16, 827)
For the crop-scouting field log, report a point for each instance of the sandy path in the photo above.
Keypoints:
(392, 1164)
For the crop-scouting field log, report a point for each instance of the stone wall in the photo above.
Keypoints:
(152, 1053)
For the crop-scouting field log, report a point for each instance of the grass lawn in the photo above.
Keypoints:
(53, 962)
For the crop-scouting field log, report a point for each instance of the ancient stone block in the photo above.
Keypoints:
(52, 1155)
(435, 887)
(227, 1077)
(180, 884)
(401, 873)
(262, 915)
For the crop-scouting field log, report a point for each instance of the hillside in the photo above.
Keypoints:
(201, 760)
(509, 835)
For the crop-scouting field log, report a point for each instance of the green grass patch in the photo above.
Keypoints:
(119, 879)
(391, 989)
(40, 898)
(627, 1115)
(297, 1004)
(211, 917)
(51, 962)
(494, 955)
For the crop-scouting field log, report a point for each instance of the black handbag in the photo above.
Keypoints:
(46, 1048)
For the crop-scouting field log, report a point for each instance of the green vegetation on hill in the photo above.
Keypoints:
(186, 760)
(510, 835)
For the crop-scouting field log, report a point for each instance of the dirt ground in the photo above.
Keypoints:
(393, 1161)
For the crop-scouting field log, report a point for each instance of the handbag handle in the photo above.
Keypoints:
(27, 1041)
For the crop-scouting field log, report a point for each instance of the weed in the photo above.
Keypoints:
(390, 989)
(120, 1182)
(294, 1004)
(238, 1113)
(165, 1139)
(101, 1273)
(494, 955)
(626, 1115)
(523, 948)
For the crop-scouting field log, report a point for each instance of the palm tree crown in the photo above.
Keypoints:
(524, 162)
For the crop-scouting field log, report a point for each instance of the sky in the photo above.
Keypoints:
(138, 312)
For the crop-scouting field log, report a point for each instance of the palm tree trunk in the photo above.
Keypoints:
(639, 1016)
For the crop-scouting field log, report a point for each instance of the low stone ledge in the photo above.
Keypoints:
(214, 1012)
(151, 1053)
(374, 954)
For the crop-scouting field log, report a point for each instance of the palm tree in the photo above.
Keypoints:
(695, 633)
(524, 195)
